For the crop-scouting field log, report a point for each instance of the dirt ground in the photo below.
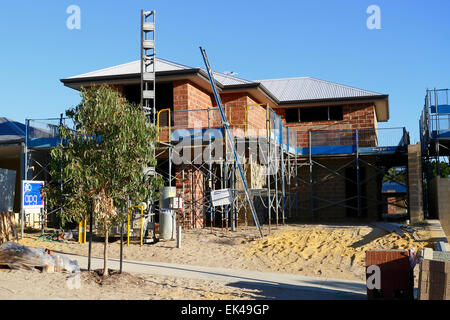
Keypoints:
(34, 285)
(332, 251)
(310, 250)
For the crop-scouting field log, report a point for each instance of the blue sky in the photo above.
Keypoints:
(325, 39)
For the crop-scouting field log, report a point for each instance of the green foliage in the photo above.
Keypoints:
(102, 158)
(444, 169)
(395, 175)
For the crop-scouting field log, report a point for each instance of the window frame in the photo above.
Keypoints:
(328, 114)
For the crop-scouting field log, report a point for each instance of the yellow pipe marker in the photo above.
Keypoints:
(128, 229)
(79, 232)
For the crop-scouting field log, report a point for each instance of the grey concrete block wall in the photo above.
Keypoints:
(415, 183)
(439, 201)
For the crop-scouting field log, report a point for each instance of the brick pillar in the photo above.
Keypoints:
(415, 183)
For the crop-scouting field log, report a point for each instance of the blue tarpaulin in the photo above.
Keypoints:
(11, 131)
(392, 186)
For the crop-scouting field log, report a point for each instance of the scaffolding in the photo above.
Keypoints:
(435, 124)
(285, 173)
(41, 135)
(434, 128)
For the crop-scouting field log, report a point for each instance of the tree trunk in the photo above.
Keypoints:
(105, 254)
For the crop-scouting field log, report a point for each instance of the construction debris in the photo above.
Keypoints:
(16, 256)
(58, 236)
(7, 226)
(397, 228)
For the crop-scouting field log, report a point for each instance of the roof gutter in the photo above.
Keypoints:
(331, 100)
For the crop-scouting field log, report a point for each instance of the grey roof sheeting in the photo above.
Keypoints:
(133, 67)
(306, 88)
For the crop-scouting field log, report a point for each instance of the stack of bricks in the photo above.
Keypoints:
(434, 280)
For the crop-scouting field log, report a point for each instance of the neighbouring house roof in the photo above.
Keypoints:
(393, 187)
(282, 92)
(11, 131)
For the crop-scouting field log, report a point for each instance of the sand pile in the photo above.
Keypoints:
(310, 250)
(326, 251)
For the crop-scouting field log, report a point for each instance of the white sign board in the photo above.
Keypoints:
(221, 197)
(32, 195)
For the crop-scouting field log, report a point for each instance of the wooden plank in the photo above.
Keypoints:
(7, 226)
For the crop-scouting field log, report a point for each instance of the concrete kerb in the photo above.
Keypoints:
(287, 281)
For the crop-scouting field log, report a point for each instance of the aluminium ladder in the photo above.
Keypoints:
(148, 65)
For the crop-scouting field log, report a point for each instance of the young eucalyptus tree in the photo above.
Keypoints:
(100, 162)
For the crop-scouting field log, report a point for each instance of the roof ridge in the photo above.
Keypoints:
(278, 79)
(173, 63)
(229, 76)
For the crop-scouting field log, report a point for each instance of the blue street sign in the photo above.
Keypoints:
(32, 194)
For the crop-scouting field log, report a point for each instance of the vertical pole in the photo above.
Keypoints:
(311, 197)
(296, 176)
(22, 177)
(283, 175)
(276, 160)
(85, 231)
(436, 102)
(142, 225)
(170, 164)
(128, 227)
(90, 242)
(233, 192)
(42, 221)
(358, 186)
(269, 200)
(61, 182)
(25, 177)
(289, 173)
(179, 237)
(79, 232)
(121, 244)
(210, 170)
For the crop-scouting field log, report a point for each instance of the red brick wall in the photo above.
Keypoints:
(188, 96)
(360, 116)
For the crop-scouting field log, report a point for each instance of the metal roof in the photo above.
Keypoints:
(306, 88)
(132, 68)
(302, 90)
